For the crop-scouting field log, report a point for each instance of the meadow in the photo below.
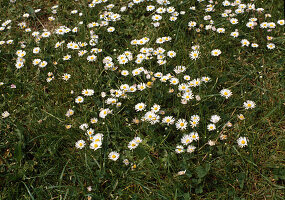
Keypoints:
(142, 99)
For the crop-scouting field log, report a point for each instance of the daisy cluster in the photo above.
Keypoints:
(142, 68)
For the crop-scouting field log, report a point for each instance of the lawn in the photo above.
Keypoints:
(142, 99)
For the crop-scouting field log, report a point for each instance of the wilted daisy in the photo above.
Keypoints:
(215, 118)
(249, 104)
(242, 142)
(113, 156)
(5, 114)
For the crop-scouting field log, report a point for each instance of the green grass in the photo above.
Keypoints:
(38, 158)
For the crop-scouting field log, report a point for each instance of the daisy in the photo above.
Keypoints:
(226, 93)
(174, 81)
(19, 65)
(67, 57)
(254, 45)
(141, 86)
(150, 8)
(181, 124)
(69, 113)
(43, 64)
(172, 18)
(137, 140)
(168, 120)
(36, 50)
(171, 54)
(271, 25)
(192, 24)
(191, 149)
(194, 123)
(271, 46)
(280, 22)
(211, 127)
(235, 34)
(103, 113)
(45, 34)
(216, 52)
(98, 137)
(186, 139)
(179, 149)
(234, 21)
(155, 108)
(263, 25)
(241, 116)
(93, 120)
(249, 104)
(194, 136)
(194, 55)
(140, 107)
(36, 61)
(187, 96)
(87, 92)
(245, 42)
(80, 144)
(132, 145)
(206, 79)
(186, 78)
(124, 72)
(113, 156)
(90, 132)
(111, 29)
(95, 145)
(156, 17)
(66, 77)
(221, 30)
(91, 58)
(242, 142)
(79, 99)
